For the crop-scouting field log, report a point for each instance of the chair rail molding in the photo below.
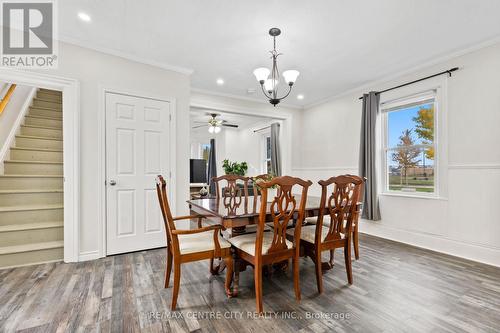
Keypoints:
(475, 166)
(71, 145)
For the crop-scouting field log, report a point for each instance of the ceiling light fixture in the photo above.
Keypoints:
(84, 17)
(214, 125)
(214, 129)
(220, 82)
(270, 85)
(300, 96)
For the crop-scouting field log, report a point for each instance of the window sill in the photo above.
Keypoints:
(414, 196)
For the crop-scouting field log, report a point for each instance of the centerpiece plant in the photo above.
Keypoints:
(234, 168)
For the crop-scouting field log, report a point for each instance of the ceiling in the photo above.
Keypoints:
(243, 121)
(337, 45)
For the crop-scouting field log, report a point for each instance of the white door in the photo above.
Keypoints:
(137, 149)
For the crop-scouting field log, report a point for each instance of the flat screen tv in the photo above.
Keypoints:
(197, 171)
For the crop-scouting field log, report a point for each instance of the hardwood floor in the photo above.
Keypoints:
(397, 288)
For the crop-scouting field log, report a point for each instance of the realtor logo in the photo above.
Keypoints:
(28, 34)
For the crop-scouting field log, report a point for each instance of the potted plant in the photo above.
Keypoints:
(234, 168)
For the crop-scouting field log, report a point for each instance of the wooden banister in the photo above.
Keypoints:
(7, 97)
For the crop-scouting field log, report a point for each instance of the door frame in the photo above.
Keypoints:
(102, 196)
(71, 144)
(285, 118)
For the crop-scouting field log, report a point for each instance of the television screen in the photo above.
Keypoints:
(197, 171)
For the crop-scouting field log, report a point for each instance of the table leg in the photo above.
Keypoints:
(236, 268)
(215, 270)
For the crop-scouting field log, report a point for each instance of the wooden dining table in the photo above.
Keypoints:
(236, 214)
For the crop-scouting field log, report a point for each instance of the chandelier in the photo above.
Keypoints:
(268, 84)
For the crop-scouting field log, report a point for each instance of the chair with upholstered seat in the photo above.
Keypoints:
(265, 248)
(190, 245)
(341, 206)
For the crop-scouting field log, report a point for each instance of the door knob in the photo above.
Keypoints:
(112, 182)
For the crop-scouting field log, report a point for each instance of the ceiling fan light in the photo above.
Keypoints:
(261, 74)
(270, 85)
(211, 129)
(217, 129)
(291, 76)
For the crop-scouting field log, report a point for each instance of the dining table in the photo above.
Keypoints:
(237, 214)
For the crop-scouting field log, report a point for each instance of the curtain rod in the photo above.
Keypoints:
(263, 128)
(449, 71)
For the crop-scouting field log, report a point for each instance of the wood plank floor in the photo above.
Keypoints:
(397, 288)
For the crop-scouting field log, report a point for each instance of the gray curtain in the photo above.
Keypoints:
(367, 154)
(275, 150)
(212, 167)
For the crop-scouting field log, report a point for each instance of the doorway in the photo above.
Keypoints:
(138, 148)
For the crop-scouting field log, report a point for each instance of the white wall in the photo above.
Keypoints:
(10, 115)
(96, 71)
(466, 220)
(245, 145)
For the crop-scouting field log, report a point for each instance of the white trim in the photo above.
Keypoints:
(413, 93)
(286, 125)
(88, 255)
(384, 80)
(244, 98)
(124, 55)
(482, 166)
(71, 145)
(483, 253)
(101, 167)
(412, 196)
(15, 128)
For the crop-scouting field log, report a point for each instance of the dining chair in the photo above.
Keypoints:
(232, 189)
(265, 248)
(355, 222)
(342, 208)
(185, 246)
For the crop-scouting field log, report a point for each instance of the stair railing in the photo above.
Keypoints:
(6, 98)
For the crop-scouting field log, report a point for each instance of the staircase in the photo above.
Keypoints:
(31, 190)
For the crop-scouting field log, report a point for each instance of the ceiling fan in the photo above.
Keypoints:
(214, 125)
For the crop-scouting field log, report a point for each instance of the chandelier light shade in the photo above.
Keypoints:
(291, 76)
(261, 74)
(269, 79)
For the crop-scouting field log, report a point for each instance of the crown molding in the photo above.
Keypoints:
(243, 98)
(369, 85)
(127, 56)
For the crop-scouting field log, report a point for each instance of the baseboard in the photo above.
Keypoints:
(88, 255)
(474, 252)
(4, 151)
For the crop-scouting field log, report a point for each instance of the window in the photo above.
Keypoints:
(205, 151)
(409, 148)
(266, 153)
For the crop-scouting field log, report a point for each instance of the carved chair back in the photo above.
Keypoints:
(232, 189)
(339, 199)
(283, 208)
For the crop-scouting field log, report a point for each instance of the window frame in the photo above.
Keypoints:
(407, 101)
(263, 154)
